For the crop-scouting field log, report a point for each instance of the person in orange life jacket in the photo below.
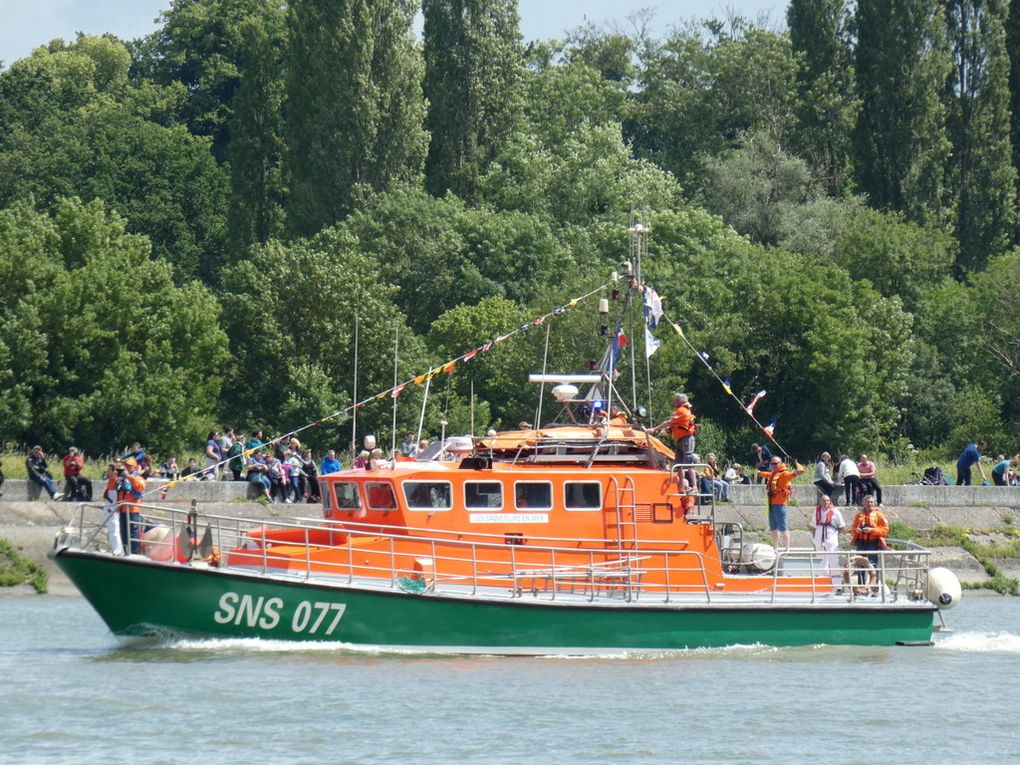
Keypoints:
(870, 529)
(777, 482)
(130, 488)
(682, 427)
(827, 522)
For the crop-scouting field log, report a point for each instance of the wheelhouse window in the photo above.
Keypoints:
(533, 495)
(380, 495)
(483, 495)
(428, 495)
(582, 495)
(347, 497)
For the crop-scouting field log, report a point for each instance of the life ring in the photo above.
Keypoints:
(857, 564)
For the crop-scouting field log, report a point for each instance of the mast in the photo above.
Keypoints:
(354, 413)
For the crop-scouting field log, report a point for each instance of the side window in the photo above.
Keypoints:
(428, 495)
(582, 495)
(380, 495)
(533, 495)
(483, 495)
(346, 495)
(327, 497)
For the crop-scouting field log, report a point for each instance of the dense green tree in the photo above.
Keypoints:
(256, 146)
(833, 355)
(754, 187)
(440, 253)
(355, 111)
(982, 170)
(827, 104)
(900, 258)
(590, 176)
(564, 96)
(200, 44)
(101, 346)
(900, 144)
(290, 311)
(473, 83)
(699, 95)
(1013, 49)
(67, 136)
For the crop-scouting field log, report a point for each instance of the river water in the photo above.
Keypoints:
(69, 692)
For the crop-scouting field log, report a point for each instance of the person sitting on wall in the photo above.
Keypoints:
(78, 487)
(38, 472)
(869, 479)
(823, 477)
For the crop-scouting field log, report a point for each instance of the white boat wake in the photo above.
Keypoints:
(980, 642)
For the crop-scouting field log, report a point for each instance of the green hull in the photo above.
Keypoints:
(136, 598)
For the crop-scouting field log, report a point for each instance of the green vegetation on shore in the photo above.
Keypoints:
(192, 224)
(16, 569)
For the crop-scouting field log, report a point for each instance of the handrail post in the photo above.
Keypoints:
(308, 556)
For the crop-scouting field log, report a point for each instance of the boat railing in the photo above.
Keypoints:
(416, 561)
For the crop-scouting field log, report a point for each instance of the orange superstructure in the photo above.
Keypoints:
(557, 499)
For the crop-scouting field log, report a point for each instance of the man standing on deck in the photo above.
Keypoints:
(777, 482)
(682, 427)
(130, 489)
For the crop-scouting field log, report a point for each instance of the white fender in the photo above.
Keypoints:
(944, 588)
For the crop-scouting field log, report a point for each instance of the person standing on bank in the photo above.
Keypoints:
(850, 476)
(777, 482)
(970, 456)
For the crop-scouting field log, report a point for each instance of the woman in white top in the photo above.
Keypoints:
(827, 522)
(850, 477)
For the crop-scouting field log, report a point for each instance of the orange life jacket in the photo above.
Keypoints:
(779, 481)
(130, 494)
(682, 422)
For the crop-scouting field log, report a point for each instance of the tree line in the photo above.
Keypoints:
(197, 227)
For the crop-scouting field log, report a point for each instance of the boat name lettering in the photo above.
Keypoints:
(509, 517)
(310, 617)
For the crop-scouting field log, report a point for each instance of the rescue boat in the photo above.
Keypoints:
(577, 536)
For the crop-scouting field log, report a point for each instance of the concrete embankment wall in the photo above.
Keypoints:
(31, 523)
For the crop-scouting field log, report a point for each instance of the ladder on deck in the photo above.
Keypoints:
(625, 497)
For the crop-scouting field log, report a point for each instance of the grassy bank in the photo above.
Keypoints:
(16, 569)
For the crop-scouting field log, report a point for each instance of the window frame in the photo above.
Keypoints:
(535, 509)
(599, 507)
(335, 485)
(475, 509)
(418, 509)
(368, 485)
